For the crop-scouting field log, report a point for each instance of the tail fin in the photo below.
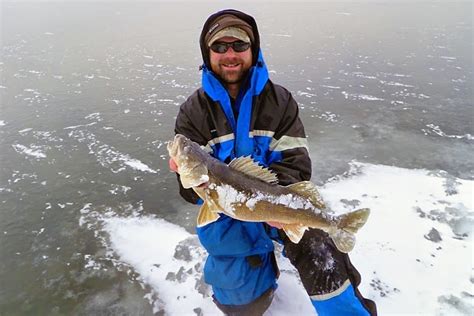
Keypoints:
(343, 240)
(353, 221)
(348, 225)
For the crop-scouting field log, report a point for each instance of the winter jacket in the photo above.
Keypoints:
(267, 128)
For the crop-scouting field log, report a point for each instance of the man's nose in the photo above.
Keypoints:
(230, 52)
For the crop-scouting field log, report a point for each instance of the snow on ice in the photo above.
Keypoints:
(414, 253)
(33, 151)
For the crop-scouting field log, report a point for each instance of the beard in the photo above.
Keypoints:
(232, 75)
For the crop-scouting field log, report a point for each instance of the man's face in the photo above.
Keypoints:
(231, 67)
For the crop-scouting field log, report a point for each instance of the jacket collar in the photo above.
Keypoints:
(258, 77)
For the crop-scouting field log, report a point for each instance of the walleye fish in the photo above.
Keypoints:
(248, 192)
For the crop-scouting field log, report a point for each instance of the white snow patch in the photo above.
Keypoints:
(33, 152)
(362, 75)
(138, 165)
(116, 189)
(448, 57)
(357, 96)
(396, 84)
(175, 280)
(330, 87)
(23, 131)
(228, 196)
(392, 250)
(77, 126)
(435, 129)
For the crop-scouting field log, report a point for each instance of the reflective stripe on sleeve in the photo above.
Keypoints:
(220, 139)
(323, 297)
(261, 133)
(288, 142)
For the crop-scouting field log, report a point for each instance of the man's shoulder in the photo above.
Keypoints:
(197, 102)
(278, 87)
(277, 95)
(278, 90)
(196, 97)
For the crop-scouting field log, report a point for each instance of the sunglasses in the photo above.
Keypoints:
(237, 46)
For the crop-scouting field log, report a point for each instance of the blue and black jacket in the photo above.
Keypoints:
(262, 122)
(268, 129)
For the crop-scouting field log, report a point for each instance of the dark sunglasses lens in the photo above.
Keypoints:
(240, 46)
(219, 48)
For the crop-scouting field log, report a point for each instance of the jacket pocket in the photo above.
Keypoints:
(227, 272)
(226, 237)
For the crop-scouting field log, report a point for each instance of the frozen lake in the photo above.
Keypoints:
(88, 97)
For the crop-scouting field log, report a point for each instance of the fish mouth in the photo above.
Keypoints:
(171, 148)
(175, 144)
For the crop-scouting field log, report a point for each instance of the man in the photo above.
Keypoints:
(240, 112)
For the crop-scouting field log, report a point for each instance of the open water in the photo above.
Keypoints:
(89, 93)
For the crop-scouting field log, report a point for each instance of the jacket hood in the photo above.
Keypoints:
(243, 16)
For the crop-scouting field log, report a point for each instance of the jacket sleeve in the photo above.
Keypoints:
(289, 141)
(185, 126)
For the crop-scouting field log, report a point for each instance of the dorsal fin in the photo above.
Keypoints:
(308, 190)
(248, 166)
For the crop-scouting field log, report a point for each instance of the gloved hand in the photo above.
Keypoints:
(173, 166)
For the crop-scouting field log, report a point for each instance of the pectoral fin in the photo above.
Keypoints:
(206, 215)
(294, 232)
(200, 192)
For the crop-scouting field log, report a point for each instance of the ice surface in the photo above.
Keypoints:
(106, 155)
(411, 257)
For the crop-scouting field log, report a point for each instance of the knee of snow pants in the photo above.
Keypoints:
(342, 302)
(325, 271)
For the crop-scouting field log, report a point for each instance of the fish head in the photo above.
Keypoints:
(190, 159)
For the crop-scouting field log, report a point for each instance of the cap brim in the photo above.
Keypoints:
(230, 32)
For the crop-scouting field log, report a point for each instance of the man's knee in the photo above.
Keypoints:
(255, 308)
(321, 266)
(326, 272)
